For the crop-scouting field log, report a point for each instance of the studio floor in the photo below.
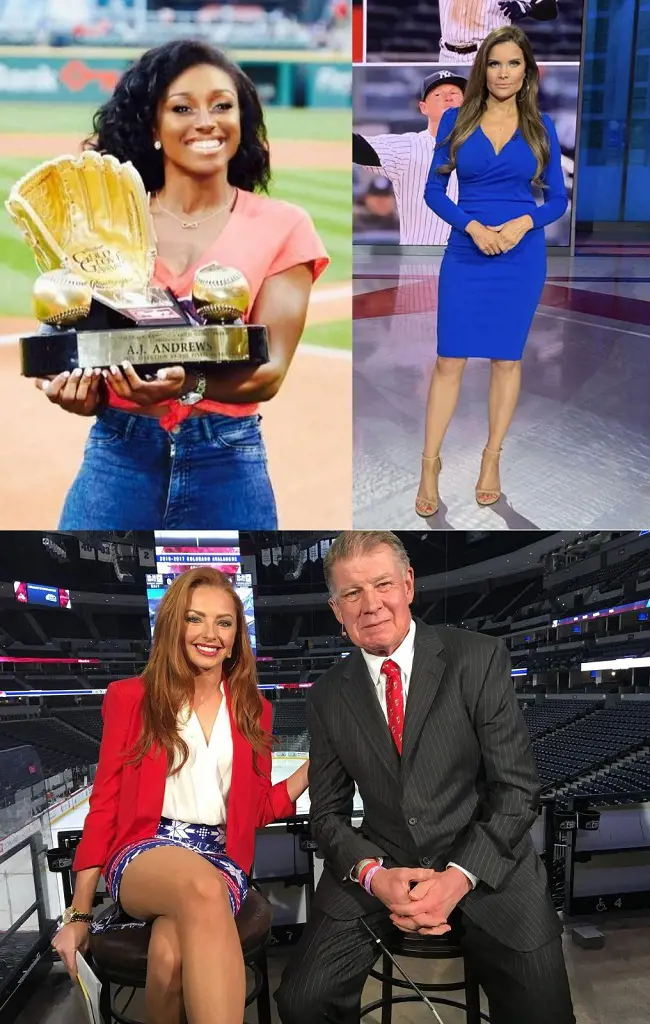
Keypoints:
(578, 450)
(609, 985)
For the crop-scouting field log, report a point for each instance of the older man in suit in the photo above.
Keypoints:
(425, 721)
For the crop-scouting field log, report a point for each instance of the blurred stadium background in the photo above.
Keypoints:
(58, 63)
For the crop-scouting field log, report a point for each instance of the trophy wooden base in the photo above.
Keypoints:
(146, 348)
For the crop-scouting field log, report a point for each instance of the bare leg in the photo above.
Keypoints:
(441, 404)
(505, 383)
(164, 991)
(180, 885)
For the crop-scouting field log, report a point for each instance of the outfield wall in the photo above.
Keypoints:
(89, 75)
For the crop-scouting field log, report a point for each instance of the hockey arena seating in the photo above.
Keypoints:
(591, 742)
(58, 746)
(626, 779)
(571, 739)
(86, 720)
(604, 578)
(554, 714)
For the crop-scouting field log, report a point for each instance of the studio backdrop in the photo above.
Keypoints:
(403, 46)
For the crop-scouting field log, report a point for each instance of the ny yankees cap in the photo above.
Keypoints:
(443, 77)
(379, 186)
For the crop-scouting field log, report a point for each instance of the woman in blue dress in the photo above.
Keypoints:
(494, 267)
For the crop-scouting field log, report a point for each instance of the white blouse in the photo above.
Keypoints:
(198, 793)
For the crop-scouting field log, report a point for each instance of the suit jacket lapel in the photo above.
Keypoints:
(359, 694)
(427, 671)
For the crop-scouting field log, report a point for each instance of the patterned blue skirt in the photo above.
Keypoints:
(208, 840)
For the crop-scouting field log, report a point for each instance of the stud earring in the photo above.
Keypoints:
(157, 144)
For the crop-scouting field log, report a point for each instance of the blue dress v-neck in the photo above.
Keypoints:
(486, 303)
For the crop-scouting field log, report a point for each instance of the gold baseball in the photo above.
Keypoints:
(221, 294)
(61, 298)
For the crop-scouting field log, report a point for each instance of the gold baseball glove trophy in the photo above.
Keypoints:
(87, 221)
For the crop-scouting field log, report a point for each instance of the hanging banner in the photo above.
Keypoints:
(147, 558)
(104, 553)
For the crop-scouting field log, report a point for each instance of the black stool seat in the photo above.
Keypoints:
(424, 947)
(120, 957)
(430, 947)
(124, 952)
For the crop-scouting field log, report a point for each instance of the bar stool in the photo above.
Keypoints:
(120, 958)
(424, 947)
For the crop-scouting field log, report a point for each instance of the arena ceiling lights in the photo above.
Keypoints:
(615, 665)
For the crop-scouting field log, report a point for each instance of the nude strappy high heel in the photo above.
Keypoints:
(488, 495)
(431, 467)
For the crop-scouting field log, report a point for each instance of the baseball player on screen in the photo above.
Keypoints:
(405, 160)
(464, 24)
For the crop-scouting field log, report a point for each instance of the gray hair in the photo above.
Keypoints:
(361, 542)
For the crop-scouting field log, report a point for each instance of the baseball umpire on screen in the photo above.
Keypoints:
(405, 160)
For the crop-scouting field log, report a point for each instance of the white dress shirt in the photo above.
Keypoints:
(403, 658)
(198, 793)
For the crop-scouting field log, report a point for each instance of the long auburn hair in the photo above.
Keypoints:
(531, 125)
(169, 676)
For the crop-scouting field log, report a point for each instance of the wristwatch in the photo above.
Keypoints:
(71, 915)
(197, 393)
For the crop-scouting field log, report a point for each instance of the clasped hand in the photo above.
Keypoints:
(84, 391)
(495, 239)
(426, 906)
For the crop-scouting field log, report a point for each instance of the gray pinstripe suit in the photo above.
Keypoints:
(465, 790)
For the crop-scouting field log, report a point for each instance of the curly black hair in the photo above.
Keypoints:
(124, 126)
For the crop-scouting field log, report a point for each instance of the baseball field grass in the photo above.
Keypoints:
(325, 192)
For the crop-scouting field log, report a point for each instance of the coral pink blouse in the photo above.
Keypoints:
(262, 237)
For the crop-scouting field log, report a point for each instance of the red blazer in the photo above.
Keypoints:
(126, 800)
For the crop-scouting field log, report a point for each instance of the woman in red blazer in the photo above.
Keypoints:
(169, 746)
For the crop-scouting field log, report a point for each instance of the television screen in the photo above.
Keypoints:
(176, 553)
(35, 593)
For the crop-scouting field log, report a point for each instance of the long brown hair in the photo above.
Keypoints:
(531, 125)
(169, 677)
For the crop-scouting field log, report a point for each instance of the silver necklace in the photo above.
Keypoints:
(191, 224)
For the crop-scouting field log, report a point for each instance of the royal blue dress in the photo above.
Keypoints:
(486, 303)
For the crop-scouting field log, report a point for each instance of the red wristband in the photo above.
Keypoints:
(365, 869)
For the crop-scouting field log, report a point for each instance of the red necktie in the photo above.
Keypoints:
(394, 701)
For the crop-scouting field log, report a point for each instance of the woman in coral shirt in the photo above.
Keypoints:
(183, 781)
(191, 123)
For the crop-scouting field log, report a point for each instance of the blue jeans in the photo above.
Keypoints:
(209, 473)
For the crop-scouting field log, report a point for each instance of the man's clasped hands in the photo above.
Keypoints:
(420, 899)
